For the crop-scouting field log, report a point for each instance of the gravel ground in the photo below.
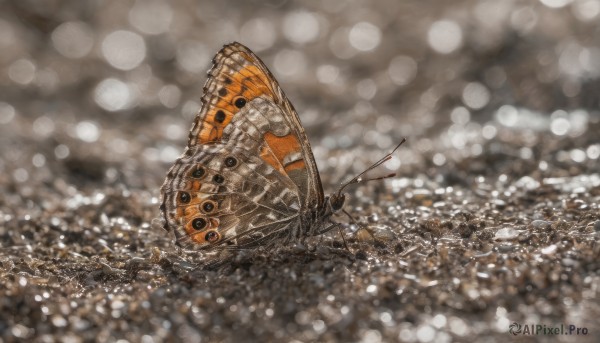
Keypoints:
(491, 223)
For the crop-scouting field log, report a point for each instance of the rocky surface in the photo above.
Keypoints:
(492, 221)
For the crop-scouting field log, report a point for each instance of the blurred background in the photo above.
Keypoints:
(106, 91)
(493, 218)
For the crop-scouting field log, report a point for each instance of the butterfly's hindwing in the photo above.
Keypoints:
(251, 194)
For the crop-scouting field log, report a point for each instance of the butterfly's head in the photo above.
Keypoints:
(335, 202)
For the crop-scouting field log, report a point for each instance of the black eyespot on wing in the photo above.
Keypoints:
(223, 91)
(208, 206)
(230, 162)
(240, 102)
(220, 116)
(218, 179)
(211, 236)
(199, 223)
(199, 172)
(185, 197)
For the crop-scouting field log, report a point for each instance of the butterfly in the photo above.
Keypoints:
(248, 177)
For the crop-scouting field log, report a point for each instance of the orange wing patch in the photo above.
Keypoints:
(209, 234)
(247, 83)
(276, 149)
(198, 232)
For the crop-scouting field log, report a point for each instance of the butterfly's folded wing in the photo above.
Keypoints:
(248, 171)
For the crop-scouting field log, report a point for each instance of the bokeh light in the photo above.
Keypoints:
(151, 16)
(586, 10)
(339, 43)
(445, 36)
(475, 95)
(114, 95)
(366, 89)
(73, 39)
(22, 71)
(290, 63)
(364, 36)
(44, 126)
(169, 96)
(556, 3)
(402, 70)
(87, 131)
(260, 32)
(327, 73)
(124, 50)
(301, 27)
(7, 113)
(193, 56)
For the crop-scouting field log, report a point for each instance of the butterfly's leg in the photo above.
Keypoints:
(343, 237)
(351, 218)
(356, 223)
(339, 226)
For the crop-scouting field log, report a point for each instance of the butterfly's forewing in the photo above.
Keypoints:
(239, 76)
(248, 170)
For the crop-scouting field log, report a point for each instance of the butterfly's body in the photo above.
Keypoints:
(248, 176)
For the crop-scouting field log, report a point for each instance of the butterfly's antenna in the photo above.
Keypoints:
(358, 178)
